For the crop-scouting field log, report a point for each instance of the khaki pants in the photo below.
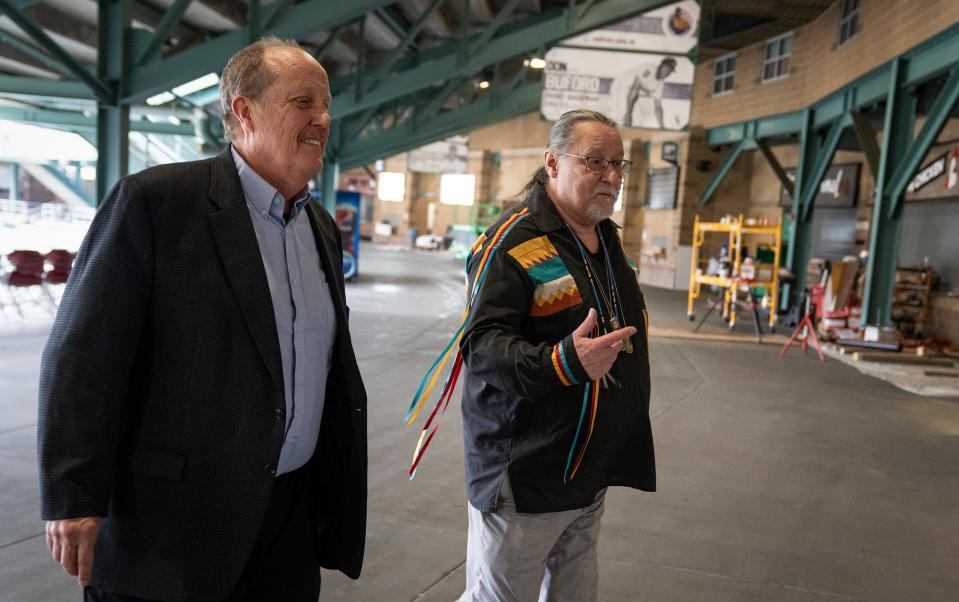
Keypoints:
(520, 557)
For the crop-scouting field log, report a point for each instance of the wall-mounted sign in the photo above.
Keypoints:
(938, 177)
(672, 28)
(448, 156)
(927, 174)
(839, 188)
(636, 90)
(669, 152)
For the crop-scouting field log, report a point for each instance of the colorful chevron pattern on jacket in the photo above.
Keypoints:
(555, 288)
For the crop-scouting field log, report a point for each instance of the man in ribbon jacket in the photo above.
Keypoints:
(556, 400)
(202, 427)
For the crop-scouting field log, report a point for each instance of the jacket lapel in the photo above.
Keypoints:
(240, 253)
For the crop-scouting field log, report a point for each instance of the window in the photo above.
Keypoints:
(391, 186)
(724, 71)
(457, 189)
(776, 58)
(848, 20)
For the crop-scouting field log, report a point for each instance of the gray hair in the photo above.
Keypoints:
(561, 138)
(248, 74)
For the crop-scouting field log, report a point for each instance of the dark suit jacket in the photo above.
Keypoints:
(160, 385)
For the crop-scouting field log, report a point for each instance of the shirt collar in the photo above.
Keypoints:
(261, 195)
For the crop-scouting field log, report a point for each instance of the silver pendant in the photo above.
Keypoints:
(627, 342)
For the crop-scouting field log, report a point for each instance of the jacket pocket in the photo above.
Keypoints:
(160, 462)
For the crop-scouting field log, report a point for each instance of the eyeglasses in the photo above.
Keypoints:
(598, 165)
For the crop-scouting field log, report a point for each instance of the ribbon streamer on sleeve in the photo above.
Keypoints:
(432, 375)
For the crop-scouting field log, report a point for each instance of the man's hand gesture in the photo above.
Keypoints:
(597, 355)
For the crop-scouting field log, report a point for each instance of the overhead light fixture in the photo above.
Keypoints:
(161, 98)
(201, 83)
(483, 85)
(537, 63)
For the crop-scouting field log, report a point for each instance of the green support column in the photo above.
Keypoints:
(14, 181)
(113, 119)
(898, 125)
(329, 178)
(797, 252)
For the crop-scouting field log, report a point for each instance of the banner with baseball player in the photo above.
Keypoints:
(638, 90)
(627, 70)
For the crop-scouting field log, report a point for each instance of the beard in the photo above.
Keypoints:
(597, 212)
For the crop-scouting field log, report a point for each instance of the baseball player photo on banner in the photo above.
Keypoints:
(638, 90)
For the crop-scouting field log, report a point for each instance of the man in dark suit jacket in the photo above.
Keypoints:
(202, 426)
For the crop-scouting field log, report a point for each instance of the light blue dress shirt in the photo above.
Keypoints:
(305, 318)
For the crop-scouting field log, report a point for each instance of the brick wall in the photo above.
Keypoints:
(819, 66)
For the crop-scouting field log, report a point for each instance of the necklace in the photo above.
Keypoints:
(609, 308)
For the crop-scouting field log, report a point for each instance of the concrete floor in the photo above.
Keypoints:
(778, 479)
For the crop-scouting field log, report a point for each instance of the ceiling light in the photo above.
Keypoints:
(537, 63)
(200, 83)
(160, 99)
(483, 85)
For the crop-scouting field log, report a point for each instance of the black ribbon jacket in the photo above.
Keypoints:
(524, 392)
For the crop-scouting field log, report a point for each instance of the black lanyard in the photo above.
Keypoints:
(610, 309)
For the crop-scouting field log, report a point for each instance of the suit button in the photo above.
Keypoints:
(270, 469)
(279, 413)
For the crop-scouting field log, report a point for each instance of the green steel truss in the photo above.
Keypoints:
(131, 69)
(895, 87)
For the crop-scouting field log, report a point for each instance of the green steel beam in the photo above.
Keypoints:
(797, 250)
(392, 19)
(772, 126)
(776, 166)
(397, 52)
(151, 17)
(819, 167)
(867, 140)
(885, 229)
(434, 106)
(935, 120)
(33, 52)
(35, 86)
(491, 30)
(931, 57)
(724, 169)
(360, 58)
(113, 119)
(78, 120)
(22, 4)
(328, 42)
(442, 64)
(14, 181)
(329, 181)
(300, 20)
(415, 133)
(275, 10)
(47, 43)
(587, 4)
(113, 146)
(162, 30)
